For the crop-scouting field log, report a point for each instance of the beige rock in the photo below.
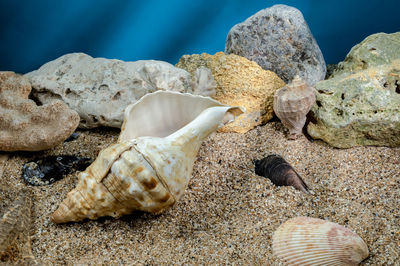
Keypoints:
(240, 82)
(100, 89)
(24, 126)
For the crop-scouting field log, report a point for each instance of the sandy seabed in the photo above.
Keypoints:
(227, 214)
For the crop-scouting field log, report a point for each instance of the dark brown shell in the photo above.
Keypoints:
(280, 172)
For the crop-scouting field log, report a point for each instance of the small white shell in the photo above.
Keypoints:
(311, 241)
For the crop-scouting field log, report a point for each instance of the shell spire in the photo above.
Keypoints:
(150, 166)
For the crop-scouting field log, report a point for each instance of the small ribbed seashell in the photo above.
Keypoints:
(280, 172)
(311, 241)
(291, 105)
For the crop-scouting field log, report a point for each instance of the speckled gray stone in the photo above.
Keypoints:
(279, 39)
(100, 89)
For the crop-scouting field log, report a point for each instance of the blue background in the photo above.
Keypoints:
(35, 32)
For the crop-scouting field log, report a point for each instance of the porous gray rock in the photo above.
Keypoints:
(279, 39)
(99, 89)
(24, 126)
(359, 108)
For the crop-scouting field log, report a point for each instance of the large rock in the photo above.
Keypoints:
(240, 82)
(377, 49)
(99, 89)
(278, 39)
(361, 108)
(24, 126)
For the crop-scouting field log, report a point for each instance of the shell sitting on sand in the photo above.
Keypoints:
(280, 172)
(292, 103)
(311, 241)
(151, 165)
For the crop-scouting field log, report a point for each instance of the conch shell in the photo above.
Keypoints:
(291, 105)
(150, 166)
(311, 241)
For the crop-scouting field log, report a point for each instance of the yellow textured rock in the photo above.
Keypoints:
(240, 82)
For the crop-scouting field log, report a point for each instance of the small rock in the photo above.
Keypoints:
(47, 170)
(73, 137)
(100, 89)
(24, 126)
(240, 82)
(279, 39)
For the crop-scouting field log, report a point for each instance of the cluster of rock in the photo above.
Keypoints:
(100, 89)
(358, 105)
(78, 89)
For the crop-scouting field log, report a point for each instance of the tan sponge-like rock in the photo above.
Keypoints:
(25, 126)
(240, 82)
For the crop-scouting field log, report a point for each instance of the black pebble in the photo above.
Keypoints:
(279, 172)
(46, 170)
(73, 136)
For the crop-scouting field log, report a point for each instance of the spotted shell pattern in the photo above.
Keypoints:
(119, 172)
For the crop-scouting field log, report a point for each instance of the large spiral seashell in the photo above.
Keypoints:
(311, 241)
(150, 166)
(291, 105)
